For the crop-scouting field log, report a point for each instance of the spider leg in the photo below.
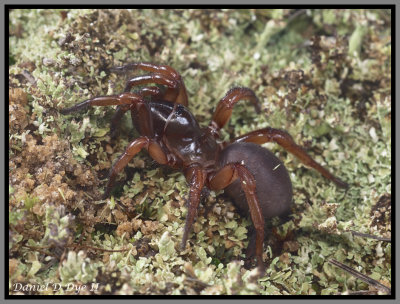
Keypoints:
(286, 141)
(134, 148)
(122, 109)
(225, 106)
(172, 85)
(228, 174)
(196, 177)
(165, 72)
(137, 104)
(145, 128)
(152, 91)
(120, 99)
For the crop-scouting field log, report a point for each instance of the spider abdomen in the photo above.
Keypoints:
(273, 185)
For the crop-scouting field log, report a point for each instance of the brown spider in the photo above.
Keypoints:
(256, 180)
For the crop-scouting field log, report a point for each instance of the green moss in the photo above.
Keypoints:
(29, 202)
(355, 40)
(78, 268)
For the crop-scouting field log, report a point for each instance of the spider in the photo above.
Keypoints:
(251, 175)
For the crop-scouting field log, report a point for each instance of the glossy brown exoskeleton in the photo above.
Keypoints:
(256, 180)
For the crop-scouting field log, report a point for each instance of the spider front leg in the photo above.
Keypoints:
(112, 100)
(284, 139)
(124, 102)
(223, 178)
(134, 148)
(145, 128)
(122, 109)
(135, 103)
(225, 106)
(170, 94)
(160, 74)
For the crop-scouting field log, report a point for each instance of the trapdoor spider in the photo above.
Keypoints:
(256, 180)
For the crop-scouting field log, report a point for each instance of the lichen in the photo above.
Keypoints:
(322, 75)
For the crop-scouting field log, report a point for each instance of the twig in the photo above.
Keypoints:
(197, 281)
(39, 249)
(358, 292)
(97, 248)
(371, 236)
(361, 276)
(74, 246)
